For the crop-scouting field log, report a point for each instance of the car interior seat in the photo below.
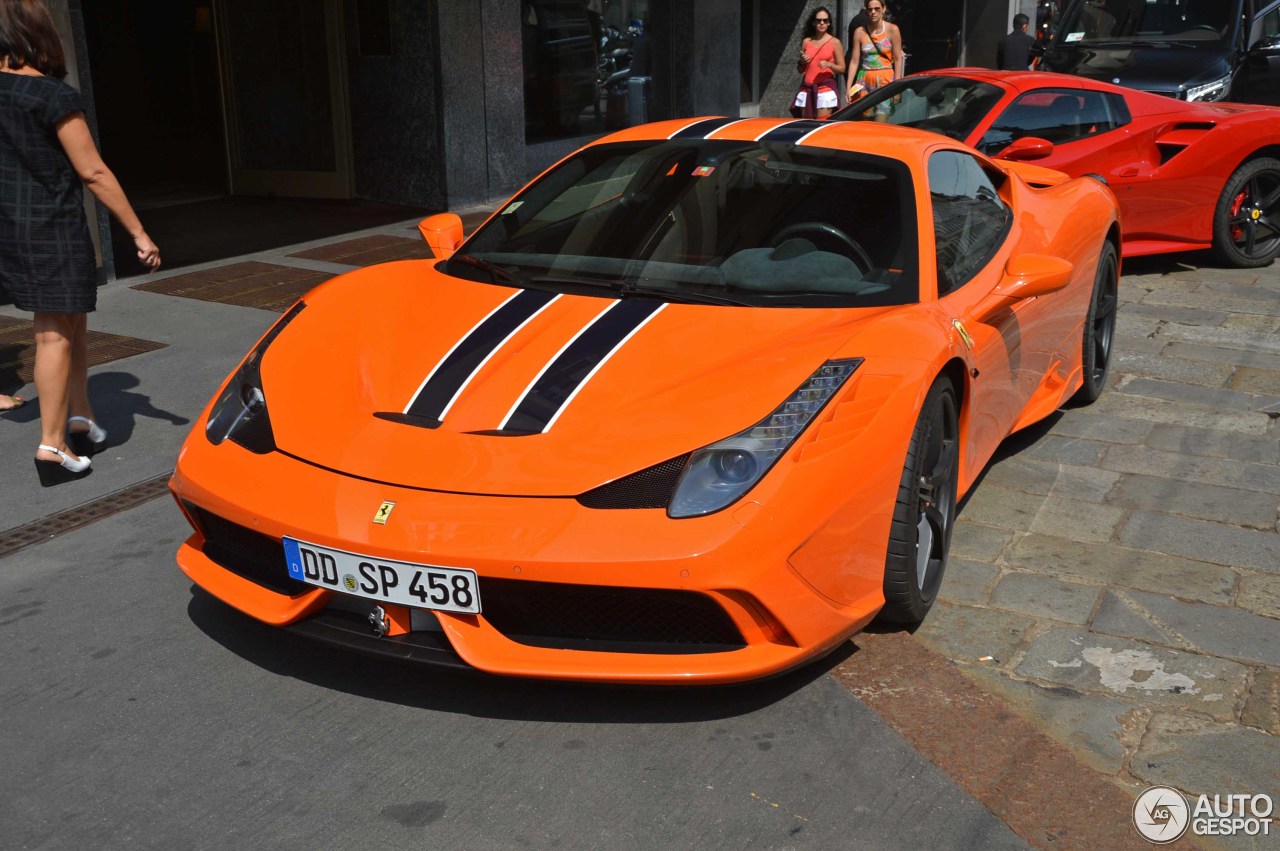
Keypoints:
(1066, 113)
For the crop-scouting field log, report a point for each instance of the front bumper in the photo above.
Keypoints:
(732, 566)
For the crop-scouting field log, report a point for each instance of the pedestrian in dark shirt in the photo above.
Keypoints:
(47, 264)
(1014, 53)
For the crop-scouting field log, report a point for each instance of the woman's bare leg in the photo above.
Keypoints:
(54, 333)
(78, 381)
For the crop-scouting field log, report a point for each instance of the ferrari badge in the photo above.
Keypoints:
(383, 513)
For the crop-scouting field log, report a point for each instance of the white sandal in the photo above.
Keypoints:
(86, 442)
(66, 470)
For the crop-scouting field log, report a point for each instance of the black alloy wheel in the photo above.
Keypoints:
(1099, 327)
(925, 512)
(1246, 221)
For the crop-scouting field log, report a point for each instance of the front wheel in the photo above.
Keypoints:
(925, 511)
(1246, 220)
(1099, 327)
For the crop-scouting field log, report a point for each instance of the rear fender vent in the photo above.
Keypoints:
(1181, 136)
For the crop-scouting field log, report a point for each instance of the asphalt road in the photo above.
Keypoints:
(139, 712)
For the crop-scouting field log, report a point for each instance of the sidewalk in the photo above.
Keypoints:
(1115, 575)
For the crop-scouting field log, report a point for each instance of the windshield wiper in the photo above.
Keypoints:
(497, 274)
(626, 288)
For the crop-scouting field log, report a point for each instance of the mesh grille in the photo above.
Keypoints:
(246, 553)
(557, 615)
(649, 488)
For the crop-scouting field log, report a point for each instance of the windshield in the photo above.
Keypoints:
(950, 105)
(708, 221)
(1149, 20)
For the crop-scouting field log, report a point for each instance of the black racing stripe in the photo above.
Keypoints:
(458, 366)
(553, 388)
(703, 128)
(792, 130)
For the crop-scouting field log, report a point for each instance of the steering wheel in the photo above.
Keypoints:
(859, 254)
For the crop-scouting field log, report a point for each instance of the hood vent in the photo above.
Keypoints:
(407, 419)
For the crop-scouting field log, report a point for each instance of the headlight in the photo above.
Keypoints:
(1216, 90)
(718, 475)
(241, 410)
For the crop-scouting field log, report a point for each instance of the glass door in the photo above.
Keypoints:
(284, 97)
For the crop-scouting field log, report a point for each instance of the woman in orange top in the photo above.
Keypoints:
(877, 54)
(821, 58)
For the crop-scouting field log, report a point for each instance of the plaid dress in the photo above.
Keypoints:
(46, 255)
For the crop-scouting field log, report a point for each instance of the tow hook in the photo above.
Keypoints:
(381, 623)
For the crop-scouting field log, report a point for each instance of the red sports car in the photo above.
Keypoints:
(1187, 175)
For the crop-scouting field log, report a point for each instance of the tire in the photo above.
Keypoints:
(1246, 221)
(925, 511)
(1099, 327)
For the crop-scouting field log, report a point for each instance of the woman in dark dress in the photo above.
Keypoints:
(46, 257)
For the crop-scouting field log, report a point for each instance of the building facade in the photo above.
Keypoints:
(434, 103)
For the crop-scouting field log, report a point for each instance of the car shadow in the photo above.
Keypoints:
(1015, 444)
(1167, 264)
(484, 695)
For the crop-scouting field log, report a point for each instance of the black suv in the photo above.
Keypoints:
(1187, 49)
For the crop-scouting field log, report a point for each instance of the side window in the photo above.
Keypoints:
(1056, 115)
(970, 221)
(1271, 23)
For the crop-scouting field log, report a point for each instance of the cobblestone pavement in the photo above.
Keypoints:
(1115, 574)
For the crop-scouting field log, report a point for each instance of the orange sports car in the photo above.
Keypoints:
(693, 407)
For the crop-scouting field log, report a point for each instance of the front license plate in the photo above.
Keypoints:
(423, 586)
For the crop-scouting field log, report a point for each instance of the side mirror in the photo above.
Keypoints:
(443, 233)
(1029, 275)
(1027, 148)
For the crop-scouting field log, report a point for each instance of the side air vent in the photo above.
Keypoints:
(1181, 136)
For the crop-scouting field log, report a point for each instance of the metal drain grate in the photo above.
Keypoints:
(367, 250)
(48, 528)
(18, 348)
(249, 284)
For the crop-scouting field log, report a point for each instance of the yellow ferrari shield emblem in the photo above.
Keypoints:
(1257, 214)
(964, 334)
(383, 512)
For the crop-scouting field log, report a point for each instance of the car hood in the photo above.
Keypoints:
(342, 380)
(1161, 67)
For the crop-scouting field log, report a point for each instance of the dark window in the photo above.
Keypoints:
(1148, 20)
(587, 67)
(1056, 115)
(1271, 24)
(970, 222)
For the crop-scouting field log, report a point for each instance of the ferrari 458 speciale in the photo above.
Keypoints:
(696, 405)
(1187, 175)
